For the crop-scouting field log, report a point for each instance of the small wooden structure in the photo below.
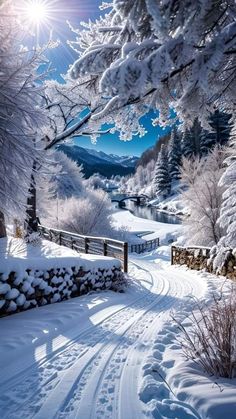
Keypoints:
(145, 247)
(88, 244)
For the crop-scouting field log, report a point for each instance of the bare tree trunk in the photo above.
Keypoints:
(3, 231)
(31, 203)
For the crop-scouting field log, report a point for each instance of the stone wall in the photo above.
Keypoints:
(36, 288)
(199, 258)
(194, 257)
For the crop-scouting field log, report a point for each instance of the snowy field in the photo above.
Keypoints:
(136, 225)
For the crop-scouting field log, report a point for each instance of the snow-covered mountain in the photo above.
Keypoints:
(95, 161)
(127, 161)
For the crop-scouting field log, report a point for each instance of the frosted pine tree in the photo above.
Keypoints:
(174, 154)
(219, 134)
(162, 181)
(191, 140)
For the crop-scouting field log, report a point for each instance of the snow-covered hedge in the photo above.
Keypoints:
(36, 287)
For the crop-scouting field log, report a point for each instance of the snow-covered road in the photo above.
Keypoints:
(83, 358)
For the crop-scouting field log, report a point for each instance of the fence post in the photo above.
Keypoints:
(125, 257)
(172, 255)
(86, 245)
(104, 248)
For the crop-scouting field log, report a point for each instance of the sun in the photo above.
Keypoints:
(36, 12)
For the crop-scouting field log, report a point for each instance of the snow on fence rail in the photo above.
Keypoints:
(88, 244)
(145, 247)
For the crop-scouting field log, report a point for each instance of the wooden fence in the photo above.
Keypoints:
(145, 247)
(88, 244)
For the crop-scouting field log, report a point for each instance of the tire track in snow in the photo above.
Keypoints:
(102, 364)
(38, 381)
(87, 389)
(97, 387)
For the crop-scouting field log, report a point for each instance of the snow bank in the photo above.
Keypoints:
(33, 276)
(140, 226)
(173, 204)
(173, 387)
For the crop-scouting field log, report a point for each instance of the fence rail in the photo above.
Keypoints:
(88, 244)
(145, 247)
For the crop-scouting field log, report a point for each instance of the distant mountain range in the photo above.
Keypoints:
(95, 161)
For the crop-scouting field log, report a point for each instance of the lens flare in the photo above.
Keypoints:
(36, 11)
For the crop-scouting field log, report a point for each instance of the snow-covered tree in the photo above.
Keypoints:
(228, 209)
(58, 178)
(21, 117)
(174, 154)
(160, 54)
(141, 181)
(219, 134)
(203, 198)
(191, 140)
(89, 214)
(162, 180)
(96, 181)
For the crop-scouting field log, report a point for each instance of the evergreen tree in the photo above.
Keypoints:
(174, 154)
(191, 140)
(219, 134)
(162, 181)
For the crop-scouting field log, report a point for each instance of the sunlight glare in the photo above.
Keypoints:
(36, 11)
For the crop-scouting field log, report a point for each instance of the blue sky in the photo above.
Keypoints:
(82, 10)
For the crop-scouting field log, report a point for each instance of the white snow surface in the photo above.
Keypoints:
(141, 226)
(17, 256)
(111, 355)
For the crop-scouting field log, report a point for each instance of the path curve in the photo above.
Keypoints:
(96, 375)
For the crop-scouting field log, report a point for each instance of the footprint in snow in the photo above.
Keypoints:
(168, 409)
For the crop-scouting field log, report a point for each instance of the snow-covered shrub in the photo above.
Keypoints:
(88, 215)
(210, 341)
(33, 238)
(203, 198)
(96, 181)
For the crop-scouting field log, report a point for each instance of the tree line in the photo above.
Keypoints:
(194, 143)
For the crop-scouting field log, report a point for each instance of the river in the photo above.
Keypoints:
(149, 213)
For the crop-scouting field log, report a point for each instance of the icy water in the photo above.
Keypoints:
(148, 213)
